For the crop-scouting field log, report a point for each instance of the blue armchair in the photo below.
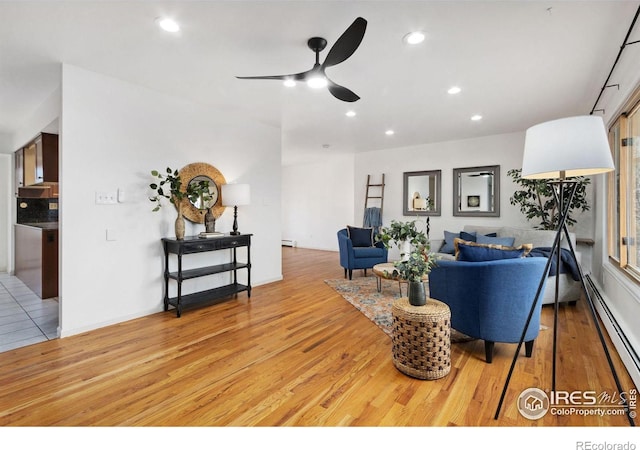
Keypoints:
(491, 300)
(359, 257)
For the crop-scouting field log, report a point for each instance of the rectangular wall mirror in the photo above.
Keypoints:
(476, 191)
(421, 193)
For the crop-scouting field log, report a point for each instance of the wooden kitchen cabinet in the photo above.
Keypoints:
(37, 162)
(46, 168)
(19, 169)
(37, 258)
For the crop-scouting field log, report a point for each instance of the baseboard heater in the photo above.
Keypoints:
(289, 243)
(614, 323)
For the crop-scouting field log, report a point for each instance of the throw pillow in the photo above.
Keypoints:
(474, 252)
(447, 246)
(506, 241)
(360, 237)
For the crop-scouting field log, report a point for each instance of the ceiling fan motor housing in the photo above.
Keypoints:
(317, 44)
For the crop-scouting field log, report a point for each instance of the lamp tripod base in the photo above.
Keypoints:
(563, 207)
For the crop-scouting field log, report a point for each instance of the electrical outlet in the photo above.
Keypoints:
(106, 198)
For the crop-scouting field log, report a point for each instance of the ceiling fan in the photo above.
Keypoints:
(343, 48)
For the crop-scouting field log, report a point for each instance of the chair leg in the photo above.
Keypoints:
(528, 348)
(488, 351)
(350, 274)
(365, 272)
(345, 273)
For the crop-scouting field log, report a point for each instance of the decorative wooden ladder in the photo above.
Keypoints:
(380, 190)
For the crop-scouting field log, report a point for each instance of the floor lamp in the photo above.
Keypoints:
(556, 150)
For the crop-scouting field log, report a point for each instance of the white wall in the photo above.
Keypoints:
(6, 183)
(317, 201)
(113, 134)
(42, 117)
(504, 150)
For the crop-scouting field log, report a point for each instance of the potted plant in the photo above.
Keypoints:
(535, 199)
(404, 234)
(169, 186)
(413, 270)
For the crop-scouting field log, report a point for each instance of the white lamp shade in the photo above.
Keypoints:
(569, 147)
(235, 194)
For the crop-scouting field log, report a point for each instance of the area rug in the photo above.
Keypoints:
(363, 294)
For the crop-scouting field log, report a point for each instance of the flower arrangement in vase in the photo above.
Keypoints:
(413, 270)
(404, 234)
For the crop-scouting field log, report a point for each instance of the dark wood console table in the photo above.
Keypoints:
(194, 244)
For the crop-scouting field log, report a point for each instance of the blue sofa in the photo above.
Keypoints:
(359, 257)
(491, 300)
(569, 290)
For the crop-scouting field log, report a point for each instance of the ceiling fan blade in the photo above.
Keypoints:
(346, 44)
(266, 77)
(294, 76)
(341, 92)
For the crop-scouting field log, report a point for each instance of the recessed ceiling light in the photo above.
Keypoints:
(413, 38)
(168, 24)
(289, 83)
(454, 90)
(350, 113)
(389, 132)
(476, 117)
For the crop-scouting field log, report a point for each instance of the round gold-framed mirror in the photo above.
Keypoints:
(194, 174)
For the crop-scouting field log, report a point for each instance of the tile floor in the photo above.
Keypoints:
(25, 318)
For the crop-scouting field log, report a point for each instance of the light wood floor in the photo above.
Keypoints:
(296, 354)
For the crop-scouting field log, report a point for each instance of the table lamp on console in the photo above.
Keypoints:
(235, 195)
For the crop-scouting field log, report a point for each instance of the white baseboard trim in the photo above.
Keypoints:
(628, 354)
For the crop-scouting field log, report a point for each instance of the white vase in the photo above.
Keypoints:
(405, 250)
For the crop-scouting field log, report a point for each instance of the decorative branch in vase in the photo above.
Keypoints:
(169, 186)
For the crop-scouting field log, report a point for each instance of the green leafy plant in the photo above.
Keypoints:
(535, 200)
(169, 185)
(400, 232)
(420, 263)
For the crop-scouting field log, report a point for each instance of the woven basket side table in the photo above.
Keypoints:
(422, 339)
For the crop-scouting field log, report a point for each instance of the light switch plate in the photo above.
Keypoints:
(106, 198)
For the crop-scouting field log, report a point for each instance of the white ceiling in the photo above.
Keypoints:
(518, 62)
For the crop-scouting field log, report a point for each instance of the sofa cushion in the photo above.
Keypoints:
(360, 237)
(538, 238)
(474, 252)
(506, 241)
(447, 246)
